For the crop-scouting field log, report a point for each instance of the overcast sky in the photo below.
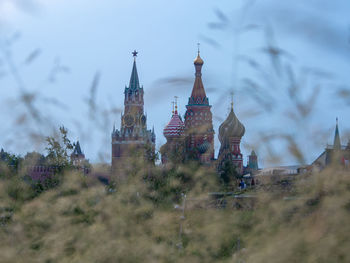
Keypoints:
(70, 58)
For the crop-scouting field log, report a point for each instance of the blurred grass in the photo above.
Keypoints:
(80, 221)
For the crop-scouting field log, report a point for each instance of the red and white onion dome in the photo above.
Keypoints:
(175, 127)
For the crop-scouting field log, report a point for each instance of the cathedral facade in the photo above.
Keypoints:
(133, 134)
(193, 138)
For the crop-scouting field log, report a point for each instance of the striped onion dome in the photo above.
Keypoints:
(175, 127)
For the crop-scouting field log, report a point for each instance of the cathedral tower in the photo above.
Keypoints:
(199, 130)
(133, 134)
(230, 133)
(174, 149)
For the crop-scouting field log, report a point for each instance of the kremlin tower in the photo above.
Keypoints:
(77, 156)
(174, 133)
(199, 132)
(133, 134)
(231, 132)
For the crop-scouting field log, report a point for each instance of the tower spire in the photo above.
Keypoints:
(198, 95)
(231, 100)
(134, 79)
(337, 143)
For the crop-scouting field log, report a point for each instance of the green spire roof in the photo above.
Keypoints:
(134, 79)
(336, 144)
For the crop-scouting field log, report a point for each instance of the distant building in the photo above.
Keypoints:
(133, 134)
(194, 138)
(336, 154)
(281, 170)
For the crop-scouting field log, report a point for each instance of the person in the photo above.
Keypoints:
(241, 184)
(252, 183)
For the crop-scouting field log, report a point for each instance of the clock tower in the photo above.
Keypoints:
(133, 134)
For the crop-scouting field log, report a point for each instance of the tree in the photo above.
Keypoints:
(9, 161)
(58, 150)
(228, 173)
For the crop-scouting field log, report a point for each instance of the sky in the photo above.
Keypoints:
(70, 61)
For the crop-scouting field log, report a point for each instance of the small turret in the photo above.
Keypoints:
(175, 127)
(253, 161)
(337, 143)
(77, 155)
(173, 150)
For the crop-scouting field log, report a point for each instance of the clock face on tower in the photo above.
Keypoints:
(128, 120)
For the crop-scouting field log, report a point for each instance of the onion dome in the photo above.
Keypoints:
(175, 127)
(198, 60)
(204, 147)
(231, 127)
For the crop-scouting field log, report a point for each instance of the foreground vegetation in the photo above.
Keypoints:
(142, 219)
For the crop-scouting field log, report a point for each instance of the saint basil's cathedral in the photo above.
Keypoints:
(188, 139)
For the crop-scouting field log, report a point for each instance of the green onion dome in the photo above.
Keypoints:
(231, 127)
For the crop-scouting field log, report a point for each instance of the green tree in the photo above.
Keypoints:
(9, 162)
(58, 150)
(228, 174)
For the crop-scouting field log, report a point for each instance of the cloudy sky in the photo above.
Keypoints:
(67, 63)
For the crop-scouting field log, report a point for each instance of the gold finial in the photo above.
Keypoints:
(199, 44)
(173, 103)
(176, 97)
(198, 60)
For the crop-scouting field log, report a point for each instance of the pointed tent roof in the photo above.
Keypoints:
(337, 143)
(134, 79)
(77, 149)
(198, 95)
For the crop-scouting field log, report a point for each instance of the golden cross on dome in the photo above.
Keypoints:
(231, 100)
(173, 103)
(176, 97)
(199, 44)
